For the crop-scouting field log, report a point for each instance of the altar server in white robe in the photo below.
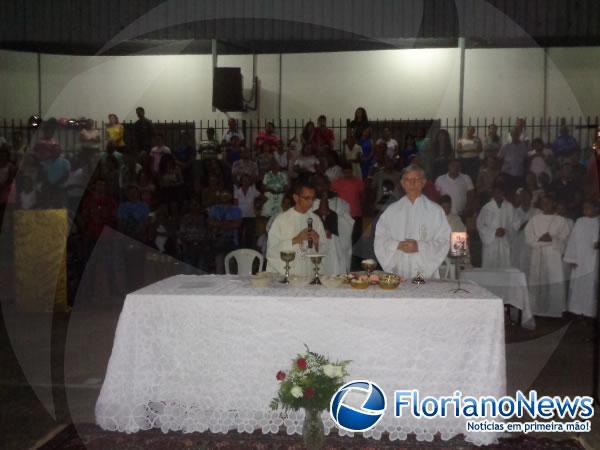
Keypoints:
(582, 255)
(520, 252)
(289, 232)
(412, 234)
(338, 223)
(546, 234)
(494, 224)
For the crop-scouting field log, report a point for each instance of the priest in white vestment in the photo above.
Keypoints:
(582, 254)
(520, 252)
(412, 234)
(289, 232)
(338, 228)
(547, 234)
(494, 224)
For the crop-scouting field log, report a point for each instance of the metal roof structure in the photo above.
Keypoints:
(287, 26)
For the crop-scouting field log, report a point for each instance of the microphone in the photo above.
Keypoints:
(309, 223)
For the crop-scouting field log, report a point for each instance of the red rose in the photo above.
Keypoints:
(301, 363)
(309, 392)
(280, 376)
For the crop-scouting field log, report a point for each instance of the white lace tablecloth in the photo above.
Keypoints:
(197, 353)
(509, 284)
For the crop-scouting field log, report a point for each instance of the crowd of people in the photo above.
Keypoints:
(199, 201)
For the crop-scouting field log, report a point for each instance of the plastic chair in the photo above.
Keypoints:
(245, 260)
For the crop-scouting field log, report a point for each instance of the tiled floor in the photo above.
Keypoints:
(66, 371)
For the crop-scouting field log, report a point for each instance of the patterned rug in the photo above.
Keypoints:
(90, 437)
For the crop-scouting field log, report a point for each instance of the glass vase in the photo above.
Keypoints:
(313, 431)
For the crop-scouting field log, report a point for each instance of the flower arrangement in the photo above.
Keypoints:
(310, 383)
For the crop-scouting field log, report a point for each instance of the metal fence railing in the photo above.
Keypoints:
(582, 128)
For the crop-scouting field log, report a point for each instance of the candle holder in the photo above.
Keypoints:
(457, 259)
(458, 250)
(287, 257)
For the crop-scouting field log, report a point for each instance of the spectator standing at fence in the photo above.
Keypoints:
(351, 189)
(409, 150)
(244, 166)
(540, 159)
(442, 152)
(455, 184)
(366, 157)
(360, 123)
(115, 133)
(323, 138)
(391, 144)
(267, 136)
(565, 145)
(520, 126)
(547, 234)
(469, 150)
(158, 151)
(209, 147)
(492, 143)
(89, 137)
(233, 131)
(144, 131)
(514, 159)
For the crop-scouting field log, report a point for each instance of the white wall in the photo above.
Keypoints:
(392, 84)
(389, 84)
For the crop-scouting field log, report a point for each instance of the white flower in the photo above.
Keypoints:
(296, 392)
(329, 370)
(339, 371)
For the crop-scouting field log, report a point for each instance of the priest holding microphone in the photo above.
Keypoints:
(298, 229)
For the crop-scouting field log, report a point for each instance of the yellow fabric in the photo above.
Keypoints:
(40, 238)
(115, 134)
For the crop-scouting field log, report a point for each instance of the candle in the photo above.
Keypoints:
(458, 243)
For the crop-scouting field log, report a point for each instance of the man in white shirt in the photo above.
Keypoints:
(412, 234)
(455, 184)
(290, 232)
(232, 131)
